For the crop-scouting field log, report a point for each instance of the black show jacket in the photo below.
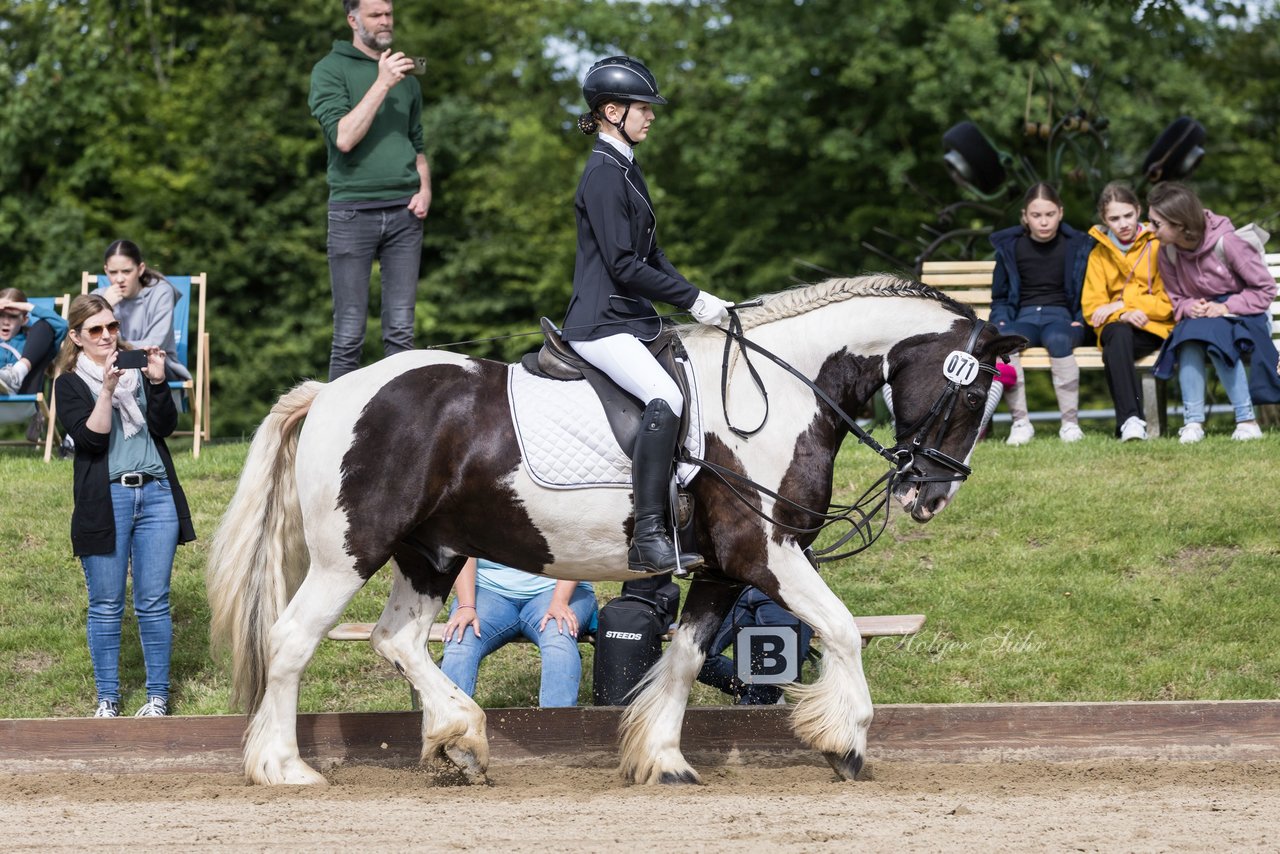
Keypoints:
(619, 267)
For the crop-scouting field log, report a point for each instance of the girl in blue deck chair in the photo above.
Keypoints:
(143, 302)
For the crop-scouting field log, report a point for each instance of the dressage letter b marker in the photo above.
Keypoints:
(767, 655)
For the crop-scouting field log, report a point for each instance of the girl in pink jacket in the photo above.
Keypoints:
(1211, 276)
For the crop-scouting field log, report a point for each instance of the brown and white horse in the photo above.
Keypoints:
(414, 461)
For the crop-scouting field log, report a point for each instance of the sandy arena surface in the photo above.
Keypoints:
(539, 806)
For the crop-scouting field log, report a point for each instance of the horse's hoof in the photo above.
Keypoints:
(467, 763)
(845, 765)
(687, 777)
(296, 773)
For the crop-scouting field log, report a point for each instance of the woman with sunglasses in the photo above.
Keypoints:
(130, 512)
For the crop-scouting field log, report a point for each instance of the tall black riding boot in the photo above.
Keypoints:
(652, 550)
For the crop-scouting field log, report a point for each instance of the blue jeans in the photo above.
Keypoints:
(146, 537)
(1191, 378)
(1047, 326)
(393, 236)
(501, 621)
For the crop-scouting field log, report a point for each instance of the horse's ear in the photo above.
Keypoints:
(1004, 345)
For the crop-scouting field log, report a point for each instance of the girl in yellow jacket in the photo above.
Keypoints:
(1124, 300)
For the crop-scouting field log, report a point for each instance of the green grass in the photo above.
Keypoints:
(1096, 571)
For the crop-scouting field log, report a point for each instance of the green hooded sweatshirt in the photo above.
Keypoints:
(383, 166)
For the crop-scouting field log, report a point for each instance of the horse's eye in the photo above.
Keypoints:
(973, 399)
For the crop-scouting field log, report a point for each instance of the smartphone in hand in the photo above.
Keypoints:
(131, 359)
(419, 65)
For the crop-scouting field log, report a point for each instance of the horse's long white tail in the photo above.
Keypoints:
(258, 556)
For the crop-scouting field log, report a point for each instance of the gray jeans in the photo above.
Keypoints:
(393, 236)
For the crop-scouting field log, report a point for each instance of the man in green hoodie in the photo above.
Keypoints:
(379, 183)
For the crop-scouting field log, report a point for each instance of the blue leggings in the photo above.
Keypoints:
(1191, 377)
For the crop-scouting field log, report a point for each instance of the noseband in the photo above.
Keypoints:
(960, 369)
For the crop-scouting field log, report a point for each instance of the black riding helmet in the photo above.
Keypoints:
(620, 78)
(617, 78)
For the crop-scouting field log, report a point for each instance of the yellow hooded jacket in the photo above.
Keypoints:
(1132, 276)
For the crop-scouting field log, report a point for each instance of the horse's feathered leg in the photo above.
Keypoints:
(833, 713)
(651, 724)
(271, 742)
(453, 726)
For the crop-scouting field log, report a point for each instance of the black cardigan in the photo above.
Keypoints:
(93, 522)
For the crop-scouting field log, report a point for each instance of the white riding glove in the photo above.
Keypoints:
(710, 310)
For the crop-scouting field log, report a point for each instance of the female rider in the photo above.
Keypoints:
(618, 270)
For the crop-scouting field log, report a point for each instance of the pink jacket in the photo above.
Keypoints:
(1199, 273)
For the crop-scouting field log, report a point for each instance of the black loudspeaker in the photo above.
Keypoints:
(971, 159)
(1176, 152)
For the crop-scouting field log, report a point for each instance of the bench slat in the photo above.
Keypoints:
(944, 267)
(950, 280)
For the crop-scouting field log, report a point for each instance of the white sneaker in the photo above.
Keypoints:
(1021, 432)
(155, 707)
(1191, 433)
(9, 381)
(107, 709)
(1133, 428)
(1245, 432)
(1070, 432)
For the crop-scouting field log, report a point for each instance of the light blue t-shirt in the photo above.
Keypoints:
(138, 452)
(515, 583)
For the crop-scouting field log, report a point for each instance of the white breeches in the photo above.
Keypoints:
(630, 364)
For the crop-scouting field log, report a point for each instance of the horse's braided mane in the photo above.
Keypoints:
(799, 300)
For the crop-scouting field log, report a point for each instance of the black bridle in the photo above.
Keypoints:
(927, 433)
(925, 439)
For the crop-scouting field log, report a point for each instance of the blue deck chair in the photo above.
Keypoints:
(194, 393)
(20, 407)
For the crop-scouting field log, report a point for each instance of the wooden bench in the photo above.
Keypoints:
(897, 625)
(969, 282)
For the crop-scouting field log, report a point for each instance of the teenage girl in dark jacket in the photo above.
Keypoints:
(1035, 292)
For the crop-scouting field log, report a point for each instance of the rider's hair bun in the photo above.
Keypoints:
(588, 123)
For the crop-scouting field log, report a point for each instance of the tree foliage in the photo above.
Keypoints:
(797, 129)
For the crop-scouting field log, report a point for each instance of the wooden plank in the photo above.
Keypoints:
(944, 281)
(892, 625)
(1247, 730)
(943, 267)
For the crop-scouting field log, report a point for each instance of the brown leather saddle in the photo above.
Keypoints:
(558, 361)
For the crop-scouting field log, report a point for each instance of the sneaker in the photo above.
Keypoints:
(1133, 428)
(1191, 433)
(9, 382)
(1070, 432)
(156, 707)
(107, 709)
(1021, 432)
(1245, 431)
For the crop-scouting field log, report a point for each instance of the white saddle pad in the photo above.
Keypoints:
(565, 438)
